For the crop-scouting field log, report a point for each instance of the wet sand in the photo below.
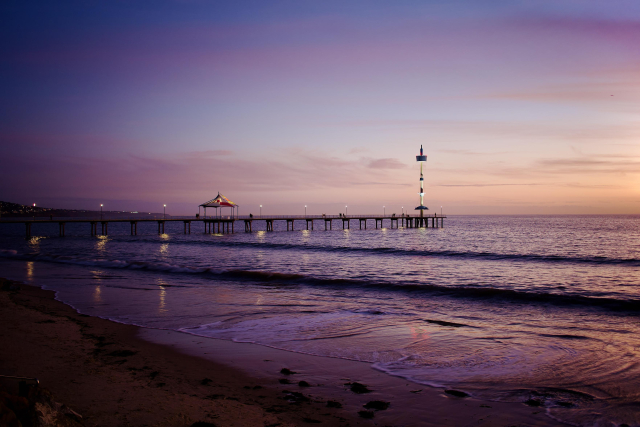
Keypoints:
(122, 375)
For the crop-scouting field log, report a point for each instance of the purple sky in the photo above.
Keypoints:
(521, 106)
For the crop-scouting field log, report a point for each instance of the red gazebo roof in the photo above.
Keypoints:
(219, 201)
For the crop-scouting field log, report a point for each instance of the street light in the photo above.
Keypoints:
(100, 211)
(346, 210)
(403, 211)
(384, 211)
(34, 212)
(440, 210)
(305, 210)
(164, 212)
(260, 211)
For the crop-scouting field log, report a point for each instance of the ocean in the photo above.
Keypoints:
(537, 309)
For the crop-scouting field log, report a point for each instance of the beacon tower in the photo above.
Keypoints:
(421, 159)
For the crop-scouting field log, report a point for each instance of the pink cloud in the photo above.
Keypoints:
(387, 164)
(192, 176)
(620, 30)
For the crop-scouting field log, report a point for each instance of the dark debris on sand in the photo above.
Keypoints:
(358, 388)
(35, 406)
(366, 414)
(378, 405)
(215, 396)
(334, 404)
(287, 371)
(295, 397)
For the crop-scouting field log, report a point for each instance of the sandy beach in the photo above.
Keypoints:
(111, 376)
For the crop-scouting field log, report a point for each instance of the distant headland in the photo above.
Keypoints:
(16, 210)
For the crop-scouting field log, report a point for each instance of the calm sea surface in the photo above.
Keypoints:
(541, 309)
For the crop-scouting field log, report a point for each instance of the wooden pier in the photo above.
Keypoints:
(227, 224)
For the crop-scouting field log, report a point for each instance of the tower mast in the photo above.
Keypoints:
(421, 159)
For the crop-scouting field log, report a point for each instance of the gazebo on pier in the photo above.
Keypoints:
(219, 201)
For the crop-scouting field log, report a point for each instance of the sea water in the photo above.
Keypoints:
(536, 309)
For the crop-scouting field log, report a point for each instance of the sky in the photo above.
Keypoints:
(522, 106)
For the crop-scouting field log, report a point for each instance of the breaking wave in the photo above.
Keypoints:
(479, 293)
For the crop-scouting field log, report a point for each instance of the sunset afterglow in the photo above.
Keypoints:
(522, 107)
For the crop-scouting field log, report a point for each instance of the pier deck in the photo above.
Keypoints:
(226, 224)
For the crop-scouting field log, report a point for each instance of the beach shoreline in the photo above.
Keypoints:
(117, 374)
(103, 371)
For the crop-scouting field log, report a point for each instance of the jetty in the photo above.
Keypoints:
(227, 224)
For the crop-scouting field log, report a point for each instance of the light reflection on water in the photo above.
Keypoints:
(30, 267)
(164, 249)
(34, 241)
(101, 244)
(97, 294)
(163, 295)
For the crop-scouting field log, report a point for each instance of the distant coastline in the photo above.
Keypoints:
(16, 210)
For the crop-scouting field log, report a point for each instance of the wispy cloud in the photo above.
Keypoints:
(470, 152)
(540, 184)
(491, 185)
(604, 92)
(386, 164)
(626, 30)
(513, 128)
(593, 165)
(194, 175)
